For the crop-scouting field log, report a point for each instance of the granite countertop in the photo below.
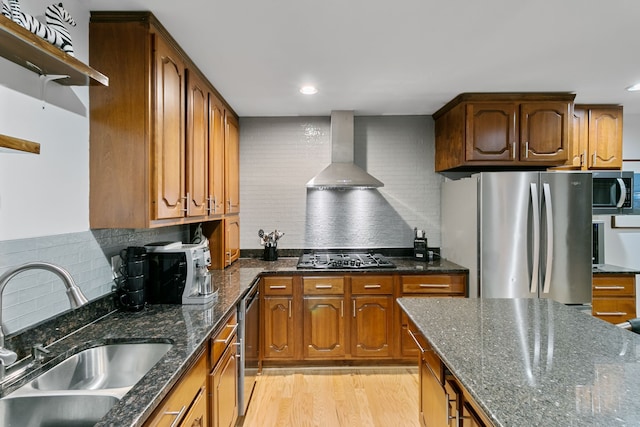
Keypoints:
(613, 269)
(188, 327)
(535, 362)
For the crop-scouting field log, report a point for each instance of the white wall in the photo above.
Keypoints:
(48, 193)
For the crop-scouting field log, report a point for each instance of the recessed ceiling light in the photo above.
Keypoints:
(308, 90)
(634, 88)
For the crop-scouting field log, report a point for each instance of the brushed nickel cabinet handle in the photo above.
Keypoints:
(422, 350)
(178, 415)
(375, 286)
(277, 287)
(612, 313)
(354, 307)
(526, 150)
(324, 286)
(341, 308)
(289, 309)
(609, 287)
(513, 150)
(433, 285)
(594, 157)
(227, 340)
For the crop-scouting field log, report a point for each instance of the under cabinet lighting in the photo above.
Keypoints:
(308, 90)
(634, 88)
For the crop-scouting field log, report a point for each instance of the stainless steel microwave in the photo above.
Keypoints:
(612, 192)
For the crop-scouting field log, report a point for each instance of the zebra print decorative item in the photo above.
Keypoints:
(54, 31)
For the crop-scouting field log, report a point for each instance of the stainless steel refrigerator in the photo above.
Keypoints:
(521, 234)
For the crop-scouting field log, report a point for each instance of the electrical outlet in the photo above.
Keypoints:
(116, 264)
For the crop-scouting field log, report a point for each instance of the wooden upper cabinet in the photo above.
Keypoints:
(232, 164)
(216, 156)
(579, 139)
(503, 129)
(155, 157)
(491, 132)
(544, 131)
(197, 145)
(596, 141)
(605, 138)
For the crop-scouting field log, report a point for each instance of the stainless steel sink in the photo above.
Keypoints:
(80, 390)
(53, 411)
(104, 367)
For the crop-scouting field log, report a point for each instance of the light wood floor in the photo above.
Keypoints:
(333, 397)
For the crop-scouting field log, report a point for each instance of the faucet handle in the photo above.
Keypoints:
(38, 352)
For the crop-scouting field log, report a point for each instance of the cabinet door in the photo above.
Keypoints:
(433, 401)
(371, 330)
(197, 146)
(278, 328)
(544, 131)
(579, 139)
(216, 156)
(232, 239)
(324, 327)
(605, 138)
(491, 131)
(224, 397)
(197, 415)
(168, 151)
(232, 164)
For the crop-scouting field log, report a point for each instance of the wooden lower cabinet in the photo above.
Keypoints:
(278, 318)
(185, 405)
(334, 317)
(371, 326)
(442, 401)
(614, 297)
(223, 377)
(324, 334)
(372, 320)
(278, 328)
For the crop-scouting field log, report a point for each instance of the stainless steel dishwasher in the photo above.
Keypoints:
(249, 318)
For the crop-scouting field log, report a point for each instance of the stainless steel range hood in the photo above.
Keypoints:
(342, 173)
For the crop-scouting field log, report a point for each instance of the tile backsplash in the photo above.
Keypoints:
(34, 295)
(278, 155)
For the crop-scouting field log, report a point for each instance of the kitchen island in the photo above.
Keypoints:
(533, 362)
(187, 327)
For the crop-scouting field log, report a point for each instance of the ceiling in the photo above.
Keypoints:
(404, 56)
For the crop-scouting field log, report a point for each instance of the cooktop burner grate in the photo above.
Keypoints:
(345, 260)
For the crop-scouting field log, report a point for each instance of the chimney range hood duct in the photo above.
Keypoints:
(342, 173)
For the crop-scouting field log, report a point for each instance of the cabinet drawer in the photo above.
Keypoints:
(426, 352)
(175, 405)
(372, 285)
(278, 285)
(323, 285)
(222, 339)
(433, 284)
(613, 285)
(614, 310)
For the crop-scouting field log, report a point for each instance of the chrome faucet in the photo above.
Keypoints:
(75, 295)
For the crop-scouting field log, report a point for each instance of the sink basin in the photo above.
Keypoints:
(103, 367)
(53, 411)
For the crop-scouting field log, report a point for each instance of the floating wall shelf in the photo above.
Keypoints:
(9, 144)
(21, 46)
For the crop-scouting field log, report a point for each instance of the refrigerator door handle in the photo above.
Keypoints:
(623, 193)
(536, 238)
(549, 211)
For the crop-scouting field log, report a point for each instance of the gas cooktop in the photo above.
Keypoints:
(348, 260)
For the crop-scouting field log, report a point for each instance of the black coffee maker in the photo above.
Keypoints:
(133, 282)
(420, 251)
